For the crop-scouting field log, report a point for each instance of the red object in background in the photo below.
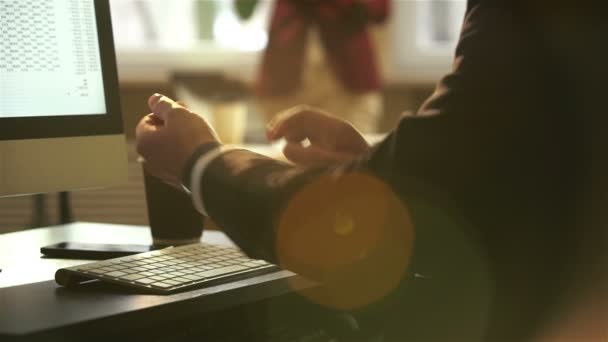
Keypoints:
(342, 26)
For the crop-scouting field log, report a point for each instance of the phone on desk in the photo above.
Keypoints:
(92, 251)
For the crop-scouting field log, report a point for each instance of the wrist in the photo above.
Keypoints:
(201, 150)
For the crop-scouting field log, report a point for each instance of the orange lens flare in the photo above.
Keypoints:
(352, 234)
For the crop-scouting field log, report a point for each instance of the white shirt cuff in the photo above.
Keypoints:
(198, 171)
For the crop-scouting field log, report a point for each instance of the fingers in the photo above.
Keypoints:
(145, 138)
(284, 123)
(297, 123)
(147, 124)
(153, 100)
(162, 106)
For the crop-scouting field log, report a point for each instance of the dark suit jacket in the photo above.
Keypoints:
(501, 171)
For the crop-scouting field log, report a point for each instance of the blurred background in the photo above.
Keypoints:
(202, 52)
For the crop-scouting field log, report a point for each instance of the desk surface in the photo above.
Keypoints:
(32, 305)
(20, 258)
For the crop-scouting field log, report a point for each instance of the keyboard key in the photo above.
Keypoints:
(169, 269)
(182, 280)
(194, 277)
(222, 270)
(174, 274)
(130, 270)
(172, 282)
(96, 271)
(131, 277)
(87, 268)
(115, 274)
(212, 266)
(118, 268)
(260, 262)
(104, 263)
(162, 285)
(145, 281)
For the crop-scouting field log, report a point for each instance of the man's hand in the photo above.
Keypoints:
(331, 139)
(168, 136)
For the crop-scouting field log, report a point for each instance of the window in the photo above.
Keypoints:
(438, 23)
(188, 25)
(157, 37)
(425, 34)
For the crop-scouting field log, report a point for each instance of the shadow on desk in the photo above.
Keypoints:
(44, 311)
(281, 318)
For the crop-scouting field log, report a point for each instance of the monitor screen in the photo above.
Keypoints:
(58, 73)
(50, 64)
(60, 115)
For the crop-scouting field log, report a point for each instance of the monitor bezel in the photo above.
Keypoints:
(109, 123)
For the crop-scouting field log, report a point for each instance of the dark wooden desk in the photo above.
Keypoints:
(32, 306)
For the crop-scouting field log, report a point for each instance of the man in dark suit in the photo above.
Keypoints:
(497, 180)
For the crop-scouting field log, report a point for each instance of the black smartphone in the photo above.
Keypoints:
(92, 251)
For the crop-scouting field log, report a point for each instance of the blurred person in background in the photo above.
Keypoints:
(321, 53)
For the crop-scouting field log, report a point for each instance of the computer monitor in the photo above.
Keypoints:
(60, 118)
